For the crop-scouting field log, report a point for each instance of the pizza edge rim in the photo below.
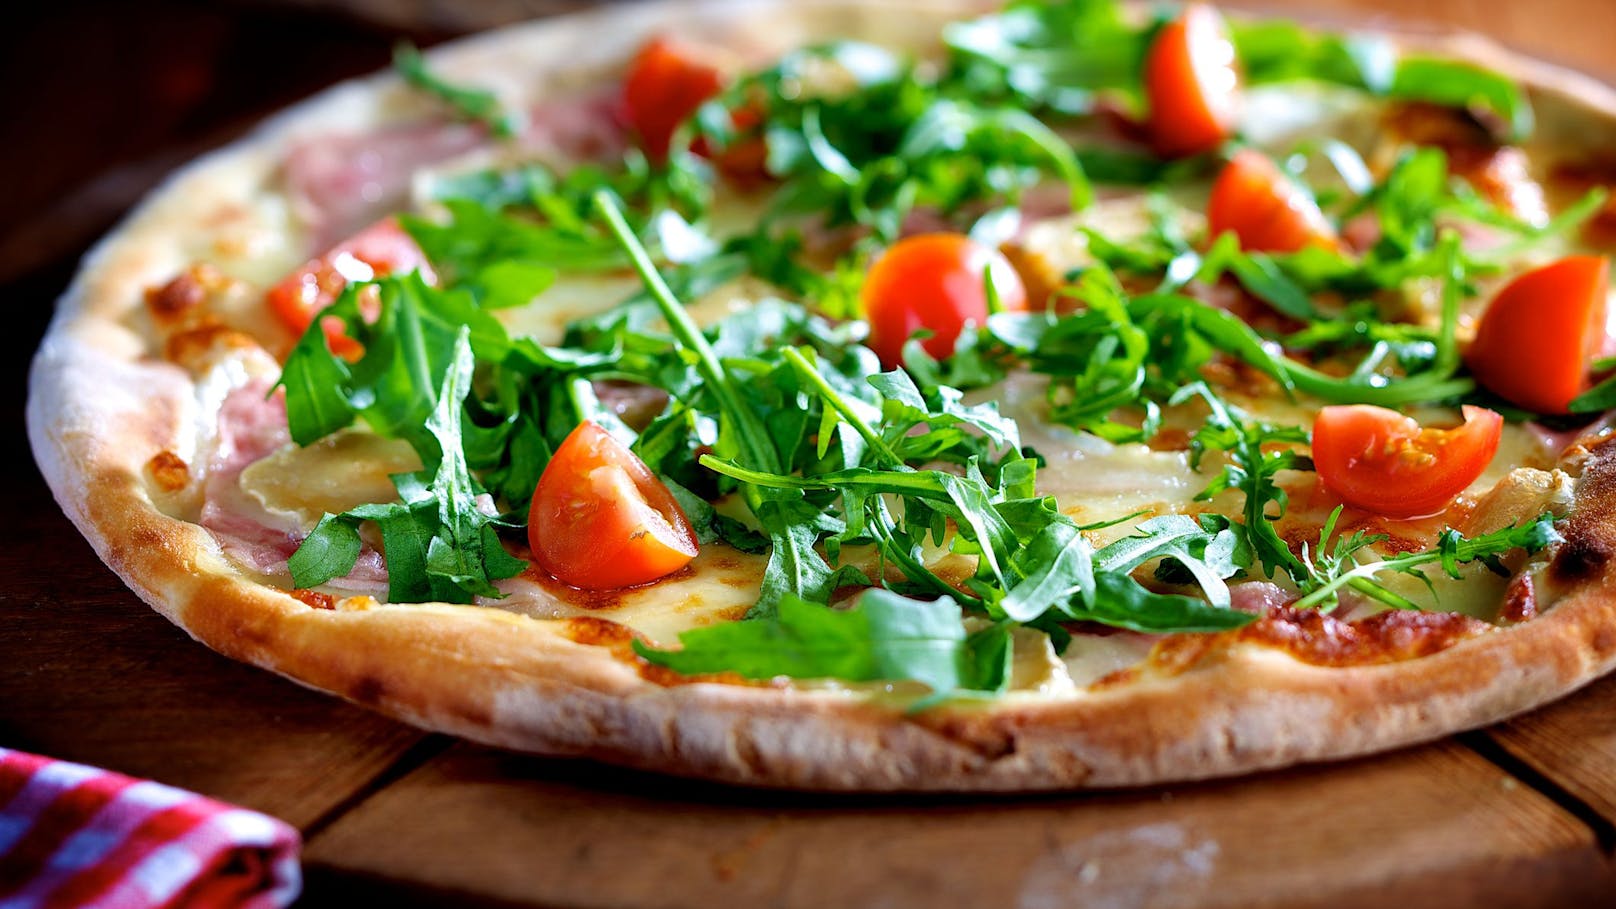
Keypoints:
(523, 683)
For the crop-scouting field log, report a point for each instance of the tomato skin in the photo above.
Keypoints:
(1536, 338)
(600, 519)
(1264, 208)
(383, 248)
(666, 82)
(1381, 461)
(934, 281)
(1191, 83)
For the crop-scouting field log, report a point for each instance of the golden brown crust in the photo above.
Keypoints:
(103, 404)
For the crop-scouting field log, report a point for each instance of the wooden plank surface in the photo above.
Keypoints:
(91, 674)
(1430, 826)
(1573, 744)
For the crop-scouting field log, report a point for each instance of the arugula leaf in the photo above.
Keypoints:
(1456, 83)
(1048, 56)
(1598, 398)
(1251, 469)
(1055, 565)
(1122, 602)
(329, 551)
(315, 379)
(884, 141)
(1452, 550)
(793, 567)
(882, 637)
(478, 105)
(1280, 51)
(440, 544)
(1033, 562)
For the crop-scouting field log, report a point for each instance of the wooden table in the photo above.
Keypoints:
(1523, 814)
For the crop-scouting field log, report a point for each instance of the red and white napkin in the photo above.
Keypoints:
(73, 836)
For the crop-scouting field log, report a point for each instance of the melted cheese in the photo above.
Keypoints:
(339, 472)
(1095, 481)
(720, 585)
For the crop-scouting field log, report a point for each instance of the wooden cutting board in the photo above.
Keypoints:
(1523, 814)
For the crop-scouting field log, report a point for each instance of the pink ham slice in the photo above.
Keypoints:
(252, 426)
(1258, 597)
(341, 182)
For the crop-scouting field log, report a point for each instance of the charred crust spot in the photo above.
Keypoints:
(595, 632)
(314, 599)
(174, 300)
(1127, 675)
(1386, 637)
(1604, 640)
(1520, 599)
(168, 471)
(191, 347)
(1321, 640)
(1176, 653)
(1590, 540)
(1581, 557)
(1397, 544)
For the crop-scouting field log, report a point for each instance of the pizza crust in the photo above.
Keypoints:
(101, 405)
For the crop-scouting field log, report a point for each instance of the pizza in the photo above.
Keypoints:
(903, 396)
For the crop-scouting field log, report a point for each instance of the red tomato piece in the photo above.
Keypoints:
(1191, 83)
(382, 248)
(935, 282)
(1381, 461)
(1536, 338)
(666, 82)
(1265, 208)
(601, 519)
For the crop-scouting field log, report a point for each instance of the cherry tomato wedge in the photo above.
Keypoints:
(1265, 208)
(601, 519)
(1191, 83)
(382, 248)
(1536, 338)
(1381, 461)
(666, 82)
(935, 282)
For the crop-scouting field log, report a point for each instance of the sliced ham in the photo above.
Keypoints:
(340, 182)
(582, 127)
(1258, 597)
(252, 426)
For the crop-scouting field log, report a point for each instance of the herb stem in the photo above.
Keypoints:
(827, 394)
(750, 431)
(1361, 578)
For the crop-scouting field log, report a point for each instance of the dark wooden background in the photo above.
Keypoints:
(104, 97)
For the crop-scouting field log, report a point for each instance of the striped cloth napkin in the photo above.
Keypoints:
(72, 835)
